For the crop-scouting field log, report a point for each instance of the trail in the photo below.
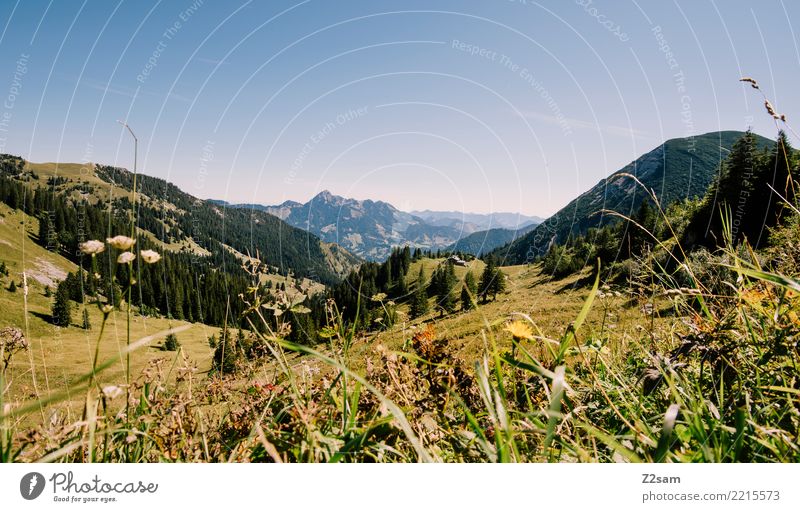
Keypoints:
(161, 334)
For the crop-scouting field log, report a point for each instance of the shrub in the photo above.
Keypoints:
(171, 343)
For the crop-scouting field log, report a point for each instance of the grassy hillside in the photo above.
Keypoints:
(59, 355)
(177, 220)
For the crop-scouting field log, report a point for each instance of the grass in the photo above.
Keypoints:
(60, 355)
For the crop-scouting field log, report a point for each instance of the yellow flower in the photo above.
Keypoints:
(520, 330)
(92, 247)
(150, 256)
(121, 242)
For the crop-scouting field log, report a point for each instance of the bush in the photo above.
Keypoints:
(171, 343)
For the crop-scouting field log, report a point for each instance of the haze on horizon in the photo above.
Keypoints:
(474, 106)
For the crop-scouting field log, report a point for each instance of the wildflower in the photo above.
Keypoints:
(92, 247)
(11, 341)
(519, 330)
(126, 257)
(121, 242)
(150, 256)
(112, 392)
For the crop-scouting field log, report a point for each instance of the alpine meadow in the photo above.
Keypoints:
(475, 232)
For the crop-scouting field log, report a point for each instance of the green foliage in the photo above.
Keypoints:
(171, 343)
(676, 170)
(12, 287)
(441, 286)
(469, 291)
(744, 196)
(493, 281)
(419, 301)
(85, 323)
(355, 292)
(62, 310)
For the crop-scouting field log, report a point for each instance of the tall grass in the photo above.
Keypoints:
(720, 387)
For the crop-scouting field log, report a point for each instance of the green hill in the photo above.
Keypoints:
(677, 169)
(482, 242)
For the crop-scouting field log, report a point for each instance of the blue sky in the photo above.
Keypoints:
(490, 105)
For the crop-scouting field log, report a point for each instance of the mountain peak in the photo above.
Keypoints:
(325, 196)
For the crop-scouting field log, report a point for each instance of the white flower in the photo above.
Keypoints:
(150, 256)
(126, 257)
(112, 392)
(92, 247)
(121, 242)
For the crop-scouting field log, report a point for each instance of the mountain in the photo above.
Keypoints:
(678, 168)
(473, 222)
(366, 228)
(181, 223)
(370, 229)
(481, 242)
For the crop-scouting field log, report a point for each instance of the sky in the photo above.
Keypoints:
(469, 105)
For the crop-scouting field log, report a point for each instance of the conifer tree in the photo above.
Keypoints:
(485, 285)
(419, 303)
(62, 315)
(85, 323)
(498, 284)
(773, 182)
(468, 291)
(445, 300)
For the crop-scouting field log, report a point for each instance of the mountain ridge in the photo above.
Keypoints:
(371, 228)
(677, 168)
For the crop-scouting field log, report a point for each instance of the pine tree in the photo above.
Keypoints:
(468, 291)
(485, 286)
(12, 287)
(401, 288)
(387, 274)
(498, 283)
(419, 303)
(62, 315)
(406, 259)
(732, 192)
(445, 300)
(775, 176)
(85, 323)
(171, 343)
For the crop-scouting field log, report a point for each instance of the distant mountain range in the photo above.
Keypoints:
(677, 169)
(473, 222)
(370, 229)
